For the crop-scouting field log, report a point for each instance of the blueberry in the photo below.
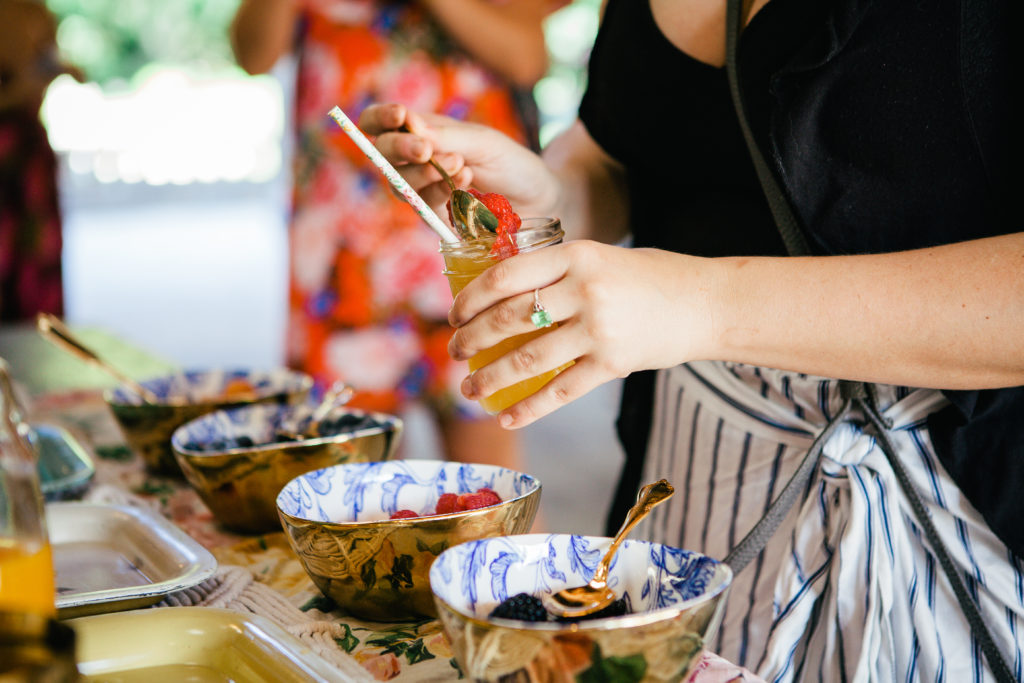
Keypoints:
(245, 442)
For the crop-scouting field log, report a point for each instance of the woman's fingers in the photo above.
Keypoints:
(509, 317)
(548, 351)
(515, 276)
(567, 386)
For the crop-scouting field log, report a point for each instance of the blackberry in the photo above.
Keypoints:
(523, 607)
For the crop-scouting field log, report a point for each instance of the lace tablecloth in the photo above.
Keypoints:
(260, 574)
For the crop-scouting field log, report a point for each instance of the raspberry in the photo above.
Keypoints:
(404, 514)
(447, 503)
(523, 607)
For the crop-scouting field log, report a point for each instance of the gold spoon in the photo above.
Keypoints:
(54, 330)
(338, 395)
(470, 216)
(572, 603)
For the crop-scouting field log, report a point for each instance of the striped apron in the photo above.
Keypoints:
(848, 587)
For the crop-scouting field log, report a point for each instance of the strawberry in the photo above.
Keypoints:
(508, 223)
(447, 503)
(404, 514)
(474, 501)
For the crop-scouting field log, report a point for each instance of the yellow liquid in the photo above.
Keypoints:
(461, 271)
(26, 579)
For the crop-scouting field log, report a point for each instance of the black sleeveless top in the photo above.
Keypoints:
(888, 124)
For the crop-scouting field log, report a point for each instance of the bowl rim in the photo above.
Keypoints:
(384, 420)
(632, 620)
(305, 384)
(299, 521)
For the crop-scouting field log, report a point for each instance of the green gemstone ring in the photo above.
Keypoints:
(540, 317)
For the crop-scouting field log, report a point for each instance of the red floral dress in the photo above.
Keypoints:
(367, 299)
(30, 222)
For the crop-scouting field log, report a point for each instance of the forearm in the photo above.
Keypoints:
(949, 317)
(261, 32)
(506, 37)
(592, 200)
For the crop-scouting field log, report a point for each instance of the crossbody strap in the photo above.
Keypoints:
(855, 395)
(785, 220)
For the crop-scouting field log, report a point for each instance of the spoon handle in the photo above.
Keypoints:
(339, 394)
(649, 496)
(444, 174)
(53, 329)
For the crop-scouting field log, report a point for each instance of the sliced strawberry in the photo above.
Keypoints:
(508, 223)
(489, 493)
(475, 501)
(447, 503)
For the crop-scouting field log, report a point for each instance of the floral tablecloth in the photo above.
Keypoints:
(413, 651)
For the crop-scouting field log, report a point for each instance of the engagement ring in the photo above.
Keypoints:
(540, 317)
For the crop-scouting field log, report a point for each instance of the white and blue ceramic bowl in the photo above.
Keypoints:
(184, 396)
(674, 597)
(337, 520)
(238, 463)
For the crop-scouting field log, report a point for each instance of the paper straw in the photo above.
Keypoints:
(396, 180)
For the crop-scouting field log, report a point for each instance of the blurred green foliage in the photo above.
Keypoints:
(112, 40)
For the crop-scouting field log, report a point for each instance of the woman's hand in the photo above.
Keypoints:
(618, 310)
(469, 152)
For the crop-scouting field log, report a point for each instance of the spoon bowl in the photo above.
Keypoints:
(308, 426)
(594, 596)
(469, 216)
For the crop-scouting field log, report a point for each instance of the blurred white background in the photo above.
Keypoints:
(174, 190)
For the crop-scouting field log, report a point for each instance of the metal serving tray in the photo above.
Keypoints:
(110, 557)
(193, 644)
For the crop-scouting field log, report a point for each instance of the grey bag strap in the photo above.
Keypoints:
(785, 220)
(855, 395)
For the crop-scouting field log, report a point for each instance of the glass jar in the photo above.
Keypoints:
(464, 261)
(27, 582)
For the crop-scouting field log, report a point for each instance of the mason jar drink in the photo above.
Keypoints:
(26, 565)
(464, 261)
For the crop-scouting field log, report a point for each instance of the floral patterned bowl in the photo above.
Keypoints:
(238, 464)
(185, 396)
(674, 601)
(337, 520)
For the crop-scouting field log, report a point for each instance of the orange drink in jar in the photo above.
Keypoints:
(26, 578)
(464, 261)
(27, 584)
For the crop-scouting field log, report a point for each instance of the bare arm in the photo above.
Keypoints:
(593, 202)
(949, 317)
(262, 32)
(506, 37)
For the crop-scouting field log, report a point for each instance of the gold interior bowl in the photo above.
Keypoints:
(674, 600)
(238, 461)
(147, 428)
(338, 522)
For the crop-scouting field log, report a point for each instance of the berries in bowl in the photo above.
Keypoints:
(669, 603)
(338, 521)
(184, 396)
(239, 459)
